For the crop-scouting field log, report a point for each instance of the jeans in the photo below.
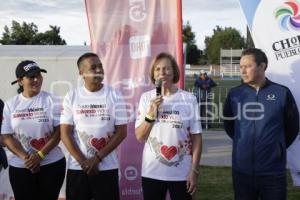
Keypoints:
(263, 187)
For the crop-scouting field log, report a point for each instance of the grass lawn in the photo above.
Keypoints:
(215, 183)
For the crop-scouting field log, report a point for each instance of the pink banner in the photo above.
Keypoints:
(127, 34)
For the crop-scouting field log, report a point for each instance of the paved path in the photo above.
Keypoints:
(217, 147)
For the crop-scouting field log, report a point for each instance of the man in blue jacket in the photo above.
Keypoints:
(3, 159)
(262, 119)
(203, 85)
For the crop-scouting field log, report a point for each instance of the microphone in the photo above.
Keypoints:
(158, 84)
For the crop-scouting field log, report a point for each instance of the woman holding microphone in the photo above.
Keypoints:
(169, 124)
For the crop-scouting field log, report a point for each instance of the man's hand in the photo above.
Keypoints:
(90, 165)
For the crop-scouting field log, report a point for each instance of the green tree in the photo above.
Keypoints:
(222, 38)
(192, 52)
(50, 37)
(27, 34)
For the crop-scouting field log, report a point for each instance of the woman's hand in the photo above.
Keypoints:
(191, 183)
(32, 162)
(154, 105)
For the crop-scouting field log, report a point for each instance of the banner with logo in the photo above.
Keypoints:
(127, 35)
(275, 28)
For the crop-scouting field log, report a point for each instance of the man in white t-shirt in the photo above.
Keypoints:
(93, 124)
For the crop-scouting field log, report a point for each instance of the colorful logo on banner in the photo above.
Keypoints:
(288, 16)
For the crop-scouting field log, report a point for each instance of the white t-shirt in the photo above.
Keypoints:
(94, 116)
(167, 151)
(31, 121)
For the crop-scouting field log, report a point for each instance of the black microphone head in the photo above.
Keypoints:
(158, 84)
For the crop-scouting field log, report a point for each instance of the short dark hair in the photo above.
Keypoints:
(84, 56)
(173, 63)
(259, 55)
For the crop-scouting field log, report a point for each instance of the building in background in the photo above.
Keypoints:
(59, 61)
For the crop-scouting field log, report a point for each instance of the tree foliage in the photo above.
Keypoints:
(27, 34)
(222, 38)
(192, 52)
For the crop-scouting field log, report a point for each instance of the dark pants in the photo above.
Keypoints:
(44, 184)
(103, 186)
(267, 187)
(206, 113)
(3, 158)
(156, 189)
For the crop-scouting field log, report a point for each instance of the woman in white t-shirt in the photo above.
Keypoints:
(168, 122)
(30, 130)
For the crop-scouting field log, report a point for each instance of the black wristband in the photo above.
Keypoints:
(149, 120)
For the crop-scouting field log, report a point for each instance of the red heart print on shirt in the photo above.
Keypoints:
(98, 143)
(168, 152)
(38, 144)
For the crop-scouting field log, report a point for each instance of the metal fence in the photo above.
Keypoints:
(211, 105)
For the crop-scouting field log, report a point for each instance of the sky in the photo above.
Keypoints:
(70, 16)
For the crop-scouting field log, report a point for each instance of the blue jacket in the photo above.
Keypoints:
(262, 125)
(203, 87)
